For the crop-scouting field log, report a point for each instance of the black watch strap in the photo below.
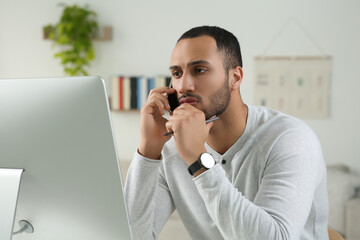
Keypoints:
(194, 167)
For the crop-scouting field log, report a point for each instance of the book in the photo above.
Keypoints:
(167, 81)
(114, 93)
(120, 91)
(160, 81)
(151, 84)
(143, 91)
(126, 93)
(133, 93)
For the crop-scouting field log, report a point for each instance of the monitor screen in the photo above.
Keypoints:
(59, 131)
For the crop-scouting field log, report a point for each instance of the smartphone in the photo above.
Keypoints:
(173, 101)
(172, 98)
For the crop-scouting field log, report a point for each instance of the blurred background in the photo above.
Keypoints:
(145, 32)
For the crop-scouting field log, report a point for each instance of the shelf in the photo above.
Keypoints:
(105, 34)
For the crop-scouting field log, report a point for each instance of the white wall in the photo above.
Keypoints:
(146, 31)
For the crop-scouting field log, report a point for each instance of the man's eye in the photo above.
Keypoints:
(200, 70)
(176, 74)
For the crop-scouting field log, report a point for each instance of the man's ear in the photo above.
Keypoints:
(236, 79)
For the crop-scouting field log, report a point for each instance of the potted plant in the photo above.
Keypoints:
(74, 33)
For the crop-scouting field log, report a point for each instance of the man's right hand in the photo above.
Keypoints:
(152, 123)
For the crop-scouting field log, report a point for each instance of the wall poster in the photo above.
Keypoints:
(299, 86)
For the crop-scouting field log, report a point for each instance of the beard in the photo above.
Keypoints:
(219, 100)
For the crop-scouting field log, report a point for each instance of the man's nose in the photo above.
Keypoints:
(186, 83)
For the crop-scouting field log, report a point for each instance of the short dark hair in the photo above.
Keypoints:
(225, 42)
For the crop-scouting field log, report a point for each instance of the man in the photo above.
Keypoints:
(265, 177)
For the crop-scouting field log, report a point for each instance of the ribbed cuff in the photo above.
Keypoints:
(209, 176)
(147, 161)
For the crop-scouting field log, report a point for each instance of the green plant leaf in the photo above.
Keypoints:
(74, 31)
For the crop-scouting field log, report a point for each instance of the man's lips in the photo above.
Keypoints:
(189, 100)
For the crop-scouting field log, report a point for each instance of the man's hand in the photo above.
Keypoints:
(190, 131)
(152, 123)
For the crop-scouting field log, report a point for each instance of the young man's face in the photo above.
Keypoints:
(199, 76)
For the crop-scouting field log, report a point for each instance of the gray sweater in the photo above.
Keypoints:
(271, 184)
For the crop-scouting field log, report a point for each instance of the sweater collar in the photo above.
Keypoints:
(237, 146)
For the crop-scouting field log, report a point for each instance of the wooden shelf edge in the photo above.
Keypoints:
(106, 34)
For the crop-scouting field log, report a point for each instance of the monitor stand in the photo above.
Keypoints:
(9, 189)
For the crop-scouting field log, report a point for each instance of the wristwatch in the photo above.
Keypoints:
(205, 161)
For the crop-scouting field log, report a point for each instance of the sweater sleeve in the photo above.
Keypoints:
(148, 198)
(284, 199)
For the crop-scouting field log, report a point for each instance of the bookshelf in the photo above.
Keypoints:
(129, 93)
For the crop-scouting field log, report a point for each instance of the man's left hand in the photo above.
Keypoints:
(190, 131)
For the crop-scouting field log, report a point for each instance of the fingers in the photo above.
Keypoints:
(183, 115)
(157, 99)
(161, 90)
(160, 105)
(187, 110)
(169, 126)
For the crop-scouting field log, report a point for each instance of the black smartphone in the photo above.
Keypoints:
(173, 101)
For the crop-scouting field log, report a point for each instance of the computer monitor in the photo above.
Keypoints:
(59, 131)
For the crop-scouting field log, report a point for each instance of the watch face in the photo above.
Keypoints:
(207, 160)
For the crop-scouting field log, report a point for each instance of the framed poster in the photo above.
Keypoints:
(299, 86)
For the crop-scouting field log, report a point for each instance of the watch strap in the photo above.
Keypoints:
(194, 167)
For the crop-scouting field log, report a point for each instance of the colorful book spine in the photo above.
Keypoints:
(138, 92)
(143, 91)
(134, 93)
(114, 94)
(127, 93)
(121, 97)
(151, 84)
(167, 81)
(160, 81)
